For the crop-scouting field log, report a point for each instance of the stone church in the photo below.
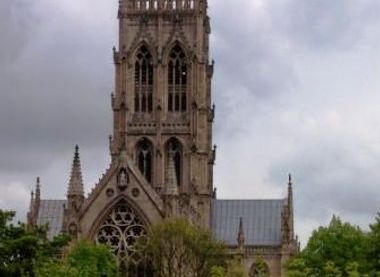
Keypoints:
(161, 149)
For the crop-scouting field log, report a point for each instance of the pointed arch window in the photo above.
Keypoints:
(143, 81)
(145, 158)
(177, 80)
(174, 160)
(120, 231)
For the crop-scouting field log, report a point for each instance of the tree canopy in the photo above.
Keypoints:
(178, 248)
(340, 249)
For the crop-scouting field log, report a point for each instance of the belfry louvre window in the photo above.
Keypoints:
(177, 80)
(143, 81)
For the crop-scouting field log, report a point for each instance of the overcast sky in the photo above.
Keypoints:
(296, 88)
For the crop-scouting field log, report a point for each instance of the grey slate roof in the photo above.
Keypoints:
(261, 221)
(51, 213)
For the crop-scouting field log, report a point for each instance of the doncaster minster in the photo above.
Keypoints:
(162, 155)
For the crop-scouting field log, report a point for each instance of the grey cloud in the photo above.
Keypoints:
(16, 21)
(323, 24)
(330, 179)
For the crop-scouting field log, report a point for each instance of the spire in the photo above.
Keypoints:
(31, 199)
(241, 238)
(290, 194)
(172, 182)
(290, 209)
(76, 183)
(36, 201)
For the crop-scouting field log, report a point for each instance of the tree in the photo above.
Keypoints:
(178, 248)
(330, 270)
(373, 251)
(84, 259)
(21, 247)
(261, 269)
(297, 268)
(340, 249)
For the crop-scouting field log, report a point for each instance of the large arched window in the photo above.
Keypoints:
(143, 81)
(177, 80)
(174, 160)
(120, 231)
(144, 158)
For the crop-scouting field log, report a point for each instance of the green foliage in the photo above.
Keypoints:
(234, 269)
(340, 249)
(373, 254)
(85, 259)
(21, 248)
(297, 268)
(177, 248)
(330, 270)
(92, 260)
(261, 269)
(352, 270)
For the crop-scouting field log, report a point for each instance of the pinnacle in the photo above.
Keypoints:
(76, 183)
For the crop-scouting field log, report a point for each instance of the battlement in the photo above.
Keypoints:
(155, 6)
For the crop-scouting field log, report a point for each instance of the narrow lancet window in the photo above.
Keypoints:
(144, 158)
(174, 162)
(177, 80)
(143, 81)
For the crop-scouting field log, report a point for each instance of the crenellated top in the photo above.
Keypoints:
(178, 6)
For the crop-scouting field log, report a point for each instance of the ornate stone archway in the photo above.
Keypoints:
(120, 230)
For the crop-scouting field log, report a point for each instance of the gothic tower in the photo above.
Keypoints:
(162, 102)
(161, 150)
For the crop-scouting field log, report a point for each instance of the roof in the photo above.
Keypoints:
(51, 213)
(261, 221)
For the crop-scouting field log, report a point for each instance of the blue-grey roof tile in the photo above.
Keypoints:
(261, 221)
(51, 213)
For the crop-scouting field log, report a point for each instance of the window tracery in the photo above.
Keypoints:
(143, 81)
(177, 80)
(144, 158)
(120, 231)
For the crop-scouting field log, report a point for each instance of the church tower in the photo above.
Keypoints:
(162, 102)
(161, 151)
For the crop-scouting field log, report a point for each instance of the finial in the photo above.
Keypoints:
(290, 179)
(76, 151)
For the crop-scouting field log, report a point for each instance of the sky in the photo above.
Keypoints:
(296, 87)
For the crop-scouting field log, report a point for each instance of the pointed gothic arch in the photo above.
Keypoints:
(178, 71)
(174, 160)
(120, 229)
(144, 158)
(143, 80)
